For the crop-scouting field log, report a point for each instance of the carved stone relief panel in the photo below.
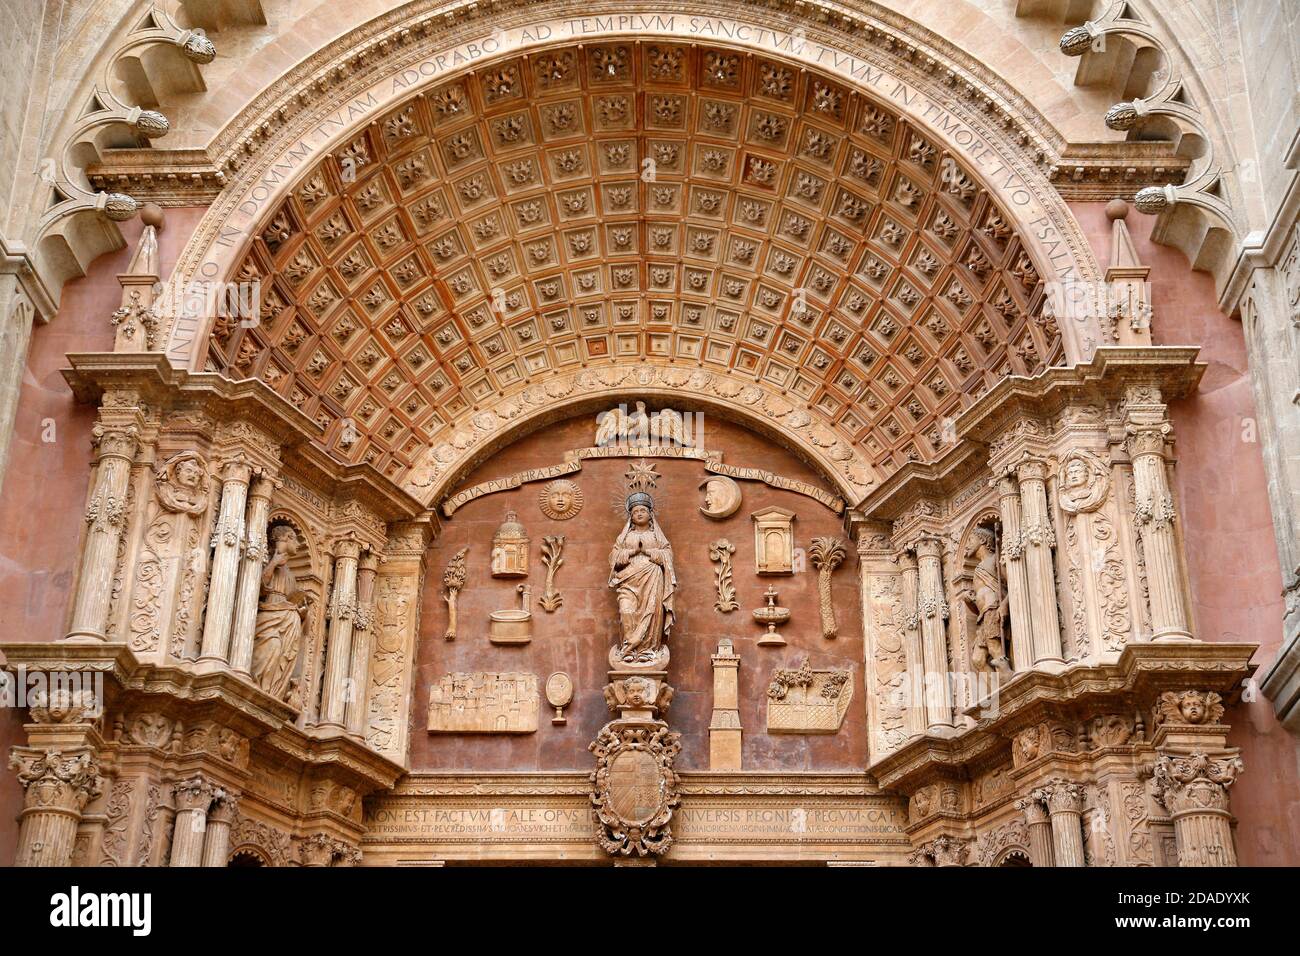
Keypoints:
(805, 701)
(484, 703)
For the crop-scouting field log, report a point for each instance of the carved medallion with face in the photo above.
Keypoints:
(721, 497)
(561, 500)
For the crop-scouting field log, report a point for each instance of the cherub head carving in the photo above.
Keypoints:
(1189, 707)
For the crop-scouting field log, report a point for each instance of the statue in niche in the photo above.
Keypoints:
(280, 615)
(988, 601)
(642, 575)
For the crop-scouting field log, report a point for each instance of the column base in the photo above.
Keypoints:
(84, 637)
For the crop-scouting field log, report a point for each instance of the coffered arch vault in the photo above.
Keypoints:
(700, 207)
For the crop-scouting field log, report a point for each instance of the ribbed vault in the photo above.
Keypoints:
(681, 205)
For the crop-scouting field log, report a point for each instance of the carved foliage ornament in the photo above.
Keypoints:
(634, 787)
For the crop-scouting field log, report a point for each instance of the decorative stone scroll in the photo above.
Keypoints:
(573, 459)
(484, 703)
(807, 701)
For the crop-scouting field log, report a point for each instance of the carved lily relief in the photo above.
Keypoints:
(720, 553)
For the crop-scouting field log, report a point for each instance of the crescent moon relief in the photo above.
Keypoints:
(721, 497)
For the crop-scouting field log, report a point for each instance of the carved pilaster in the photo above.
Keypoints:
(913, 653)
(193, 799)
(249, 587)
(1147, 433)
(1040, 830)
(1038, 541)
(57, 787)
(338, 687)
(1013, 562)
(933, 612)
(105, 521)
(216, 841)
(1064, 802)
(362, 637)
(227, 543)
(321, 849)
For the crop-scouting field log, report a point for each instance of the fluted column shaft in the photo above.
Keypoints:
(56, 791)
(913, 654)
(105, 520)
(193, 798)
(1037, 541)
(216, 841)
(1017, 577)
(249, 588)
(933, 609)
(362, 635)
(338, 657)
(1040, 831)
(1155, 522)
(227, 542)
(1065, 805)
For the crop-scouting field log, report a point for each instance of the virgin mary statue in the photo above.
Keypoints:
(641, 574)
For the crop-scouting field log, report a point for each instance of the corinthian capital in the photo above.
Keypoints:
(1062, 796)
(1033, 808)
(54, 781)
(1195, 782)
(195, 794)
(115, 441)
(1146, 438)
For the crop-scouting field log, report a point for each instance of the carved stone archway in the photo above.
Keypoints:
(639, 201)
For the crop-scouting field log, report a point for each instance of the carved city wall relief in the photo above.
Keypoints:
(569, 639)
(484, 703)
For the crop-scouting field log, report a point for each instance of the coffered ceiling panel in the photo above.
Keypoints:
(636, 202)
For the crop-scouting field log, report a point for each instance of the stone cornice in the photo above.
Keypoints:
(163, 384)
(1172, 368)
(1140, 674)
(1098, 172)
(220, 697)
(694, 783)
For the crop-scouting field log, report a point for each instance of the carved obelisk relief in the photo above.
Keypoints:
(634, 787)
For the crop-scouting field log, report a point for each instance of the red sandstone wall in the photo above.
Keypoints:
(1223, 496)
(44, 494)
(577, 637)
